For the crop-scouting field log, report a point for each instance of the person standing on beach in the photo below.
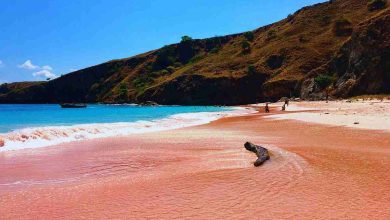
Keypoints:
(284, 107)
(266, 108)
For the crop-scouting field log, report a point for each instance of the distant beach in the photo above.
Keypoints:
(327, 159)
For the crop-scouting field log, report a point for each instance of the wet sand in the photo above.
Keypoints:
(315, 172)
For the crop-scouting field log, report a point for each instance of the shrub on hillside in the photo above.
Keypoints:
(376, 4)
(343, 27)
(245, 46)
(251, 70)
(212, 43)
(323, 80)
(164, 72)
(171, 69)
(249, 36)
(123, 91)
(216, 49)
(143, 80)
(271, 35)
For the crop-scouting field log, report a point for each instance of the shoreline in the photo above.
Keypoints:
(50, 136)
(204, 172)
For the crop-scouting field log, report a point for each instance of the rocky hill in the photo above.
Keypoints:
(340, 47)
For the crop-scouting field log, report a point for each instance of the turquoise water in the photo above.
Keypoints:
(13, 117)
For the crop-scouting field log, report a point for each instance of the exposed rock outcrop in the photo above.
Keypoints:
(275, 61)
(200, 90)
(362, 64)
(261, 153)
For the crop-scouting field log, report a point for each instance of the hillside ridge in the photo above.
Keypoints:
(339, 47)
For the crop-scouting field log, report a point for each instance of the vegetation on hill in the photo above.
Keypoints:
(342, 43)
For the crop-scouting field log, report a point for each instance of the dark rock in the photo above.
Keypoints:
(273, 90)
(201, 90)
(261, 153)
(374, 5)
(149, 103)
(275, 61)
(343, 27)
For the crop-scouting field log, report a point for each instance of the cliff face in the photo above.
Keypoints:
(365, 59)
(341, 46)
(361, 65)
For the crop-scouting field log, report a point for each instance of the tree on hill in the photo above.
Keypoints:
(186, 49)
(185, 38)
(245, 46)
(249, 36)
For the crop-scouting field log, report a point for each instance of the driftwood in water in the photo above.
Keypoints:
(261, 152)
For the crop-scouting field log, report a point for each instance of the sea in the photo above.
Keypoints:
(39, 125)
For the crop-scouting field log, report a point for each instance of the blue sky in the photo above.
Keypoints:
(47, 38)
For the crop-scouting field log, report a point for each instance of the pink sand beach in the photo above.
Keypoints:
(323, 166)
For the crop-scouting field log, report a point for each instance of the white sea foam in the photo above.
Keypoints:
(52, 135)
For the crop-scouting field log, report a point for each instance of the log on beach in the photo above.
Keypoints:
(261, 153)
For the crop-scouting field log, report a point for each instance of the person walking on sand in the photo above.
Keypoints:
(284, 107)
(266, 108)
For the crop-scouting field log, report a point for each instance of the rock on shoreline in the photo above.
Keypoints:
(261, 152)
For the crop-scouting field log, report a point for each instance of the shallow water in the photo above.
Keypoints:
(175, 176)
(14, 117)
(30, 126)
(204, 172)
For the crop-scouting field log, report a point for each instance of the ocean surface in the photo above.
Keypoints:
(28, 126)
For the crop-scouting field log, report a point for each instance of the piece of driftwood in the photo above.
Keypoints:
(261, 153)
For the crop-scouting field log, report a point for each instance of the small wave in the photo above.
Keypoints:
(52, 135)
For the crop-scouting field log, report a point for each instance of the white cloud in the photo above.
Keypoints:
(40, 71)
(47, 67)
(28, 65)
(45, 73)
